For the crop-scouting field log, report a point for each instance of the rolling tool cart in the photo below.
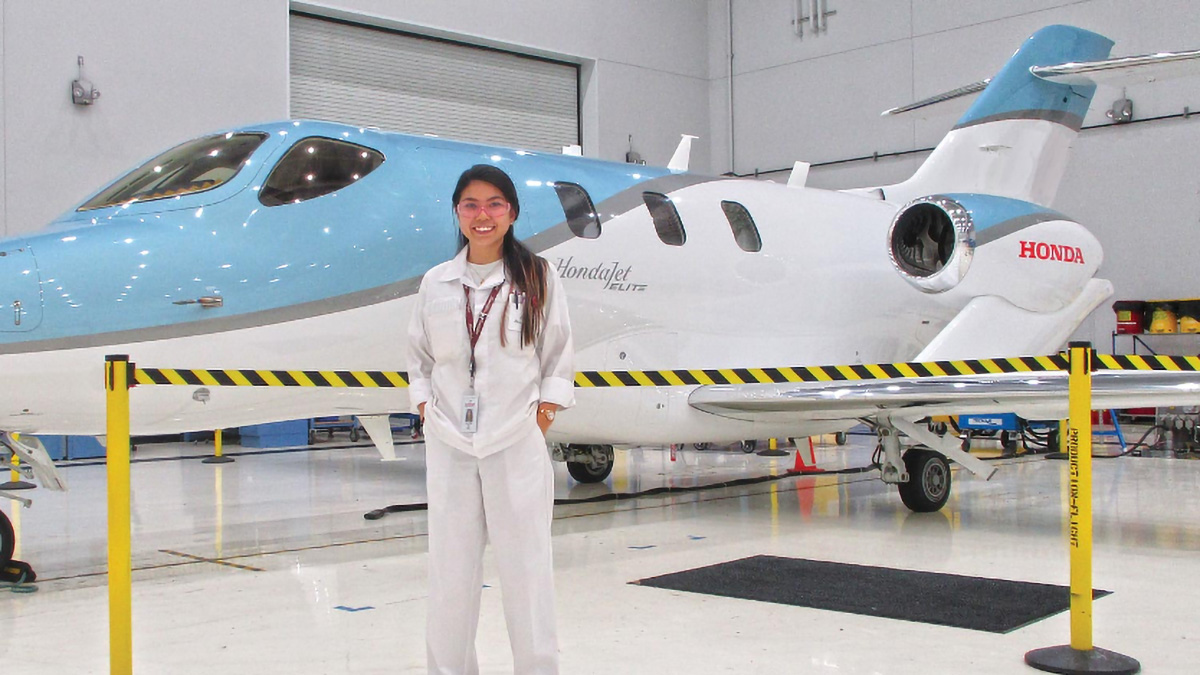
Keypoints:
(331, 424)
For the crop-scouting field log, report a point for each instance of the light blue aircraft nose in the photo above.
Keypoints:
(20, 289)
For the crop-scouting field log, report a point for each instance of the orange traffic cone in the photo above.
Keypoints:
(801, 467)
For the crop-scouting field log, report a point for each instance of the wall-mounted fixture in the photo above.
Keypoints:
(816, 13)
(82, 91)
(632, 156)
(1121, 111)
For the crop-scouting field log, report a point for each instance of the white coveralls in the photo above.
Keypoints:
(494, 485)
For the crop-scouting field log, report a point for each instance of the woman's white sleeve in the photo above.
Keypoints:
(556, 349)
(420, 356)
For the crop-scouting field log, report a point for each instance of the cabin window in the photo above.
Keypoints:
(579, 210)
(745, 232)
(667, 223)
(315, 167)
(196, 166)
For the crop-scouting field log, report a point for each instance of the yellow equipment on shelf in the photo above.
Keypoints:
(1162, 319)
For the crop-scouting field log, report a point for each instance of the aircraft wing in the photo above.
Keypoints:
(1041, 395)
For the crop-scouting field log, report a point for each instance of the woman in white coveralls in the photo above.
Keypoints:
(491, 362)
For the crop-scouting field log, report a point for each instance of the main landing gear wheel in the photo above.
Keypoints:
(749, 446)
(840, 438)
(8, 540)
(597, 466)
(928, 485)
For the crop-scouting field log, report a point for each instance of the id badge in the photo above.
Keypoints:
(470, 413)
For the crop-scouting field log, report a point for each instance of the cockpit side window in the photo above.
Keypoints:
(196, 166)
(317, 166)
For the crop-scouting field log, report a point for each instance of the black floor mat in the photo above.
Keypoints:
(992, 605)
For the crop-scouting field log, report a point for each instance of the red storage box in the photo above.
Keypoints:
(1131, 316)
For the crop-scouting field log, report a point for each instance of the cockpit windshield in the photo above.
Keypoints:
(198, 165)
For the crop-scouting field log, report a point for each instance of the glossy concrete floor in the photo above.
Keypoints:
(266, 565)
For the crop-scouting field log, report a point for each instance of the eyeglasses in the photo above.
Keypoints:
(470, 210)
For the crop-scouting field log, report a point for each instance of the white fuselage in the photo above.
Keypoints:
(821, 291)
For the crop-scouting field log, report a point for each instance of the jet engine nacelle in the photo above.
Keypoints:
(975, 245)
(931, 243)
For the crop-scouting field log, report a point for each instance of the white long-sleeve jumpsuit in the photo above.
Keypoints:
(496, 484)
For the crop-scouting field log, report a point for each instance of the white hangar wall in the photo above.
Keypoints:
(166, 71)
(169, 70)
(818, 99)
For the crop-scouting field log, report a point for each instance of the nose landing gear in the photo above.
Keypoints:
(586, 463)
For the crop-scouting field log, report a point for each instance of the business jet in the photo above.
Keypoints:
(697, 302)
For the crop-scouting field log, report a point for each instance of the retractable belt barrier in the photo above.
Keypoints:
(675, 378)
(272, 378)
(875, 371)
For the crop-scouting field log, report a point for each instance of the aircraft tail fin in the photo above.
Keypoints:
(1014, 140)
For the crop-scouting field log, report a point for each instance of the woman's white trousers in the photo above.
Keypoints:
(506, 498)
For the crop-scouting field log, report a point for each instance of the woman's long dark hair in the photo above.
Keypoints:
(526, 271)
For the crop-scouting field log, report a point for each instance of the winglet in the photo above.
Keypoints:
(799, 175)
(683, 154)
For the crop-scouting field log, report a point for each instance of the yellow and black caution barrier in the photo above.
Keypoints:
(271, 378)
(120, 375)
(872, 371)
(673, 378)
(869, 371)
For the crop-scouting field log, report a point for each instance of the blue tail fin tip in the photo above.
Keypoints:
(1015, 93)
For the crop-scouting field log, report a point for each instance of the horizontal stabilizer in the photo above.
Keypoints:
(973, 88)
(1123, 71)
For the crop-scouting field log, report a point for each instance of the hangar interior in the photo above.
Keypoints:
(268, 563)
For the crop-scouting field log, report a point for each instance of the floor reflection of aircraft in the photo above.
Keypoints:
(299, 245)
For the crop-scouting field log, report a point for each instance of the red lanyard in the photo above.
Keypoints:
(475, 328)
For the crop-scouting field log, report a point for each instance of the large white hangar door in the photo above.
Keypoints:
(368, 76)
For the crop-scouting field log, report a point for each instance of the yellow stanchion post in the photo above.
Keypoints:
(117, 371)
(1080, 656)
(773, 449)
(218, 457)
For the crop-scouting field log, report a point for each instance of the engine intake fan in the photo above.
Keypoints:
(931, 243)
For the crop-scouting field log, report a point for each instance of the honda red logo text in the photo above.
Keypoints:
(1040, 250)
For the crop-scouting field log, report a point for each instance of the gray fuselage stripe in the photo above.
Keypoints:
(1067, 119)
(1011, 225)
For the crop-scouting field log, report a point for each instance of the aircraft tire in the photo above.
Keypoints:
(840, 438)
(8, 540)
(596, 469)
(749, 446)
(928, 485)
